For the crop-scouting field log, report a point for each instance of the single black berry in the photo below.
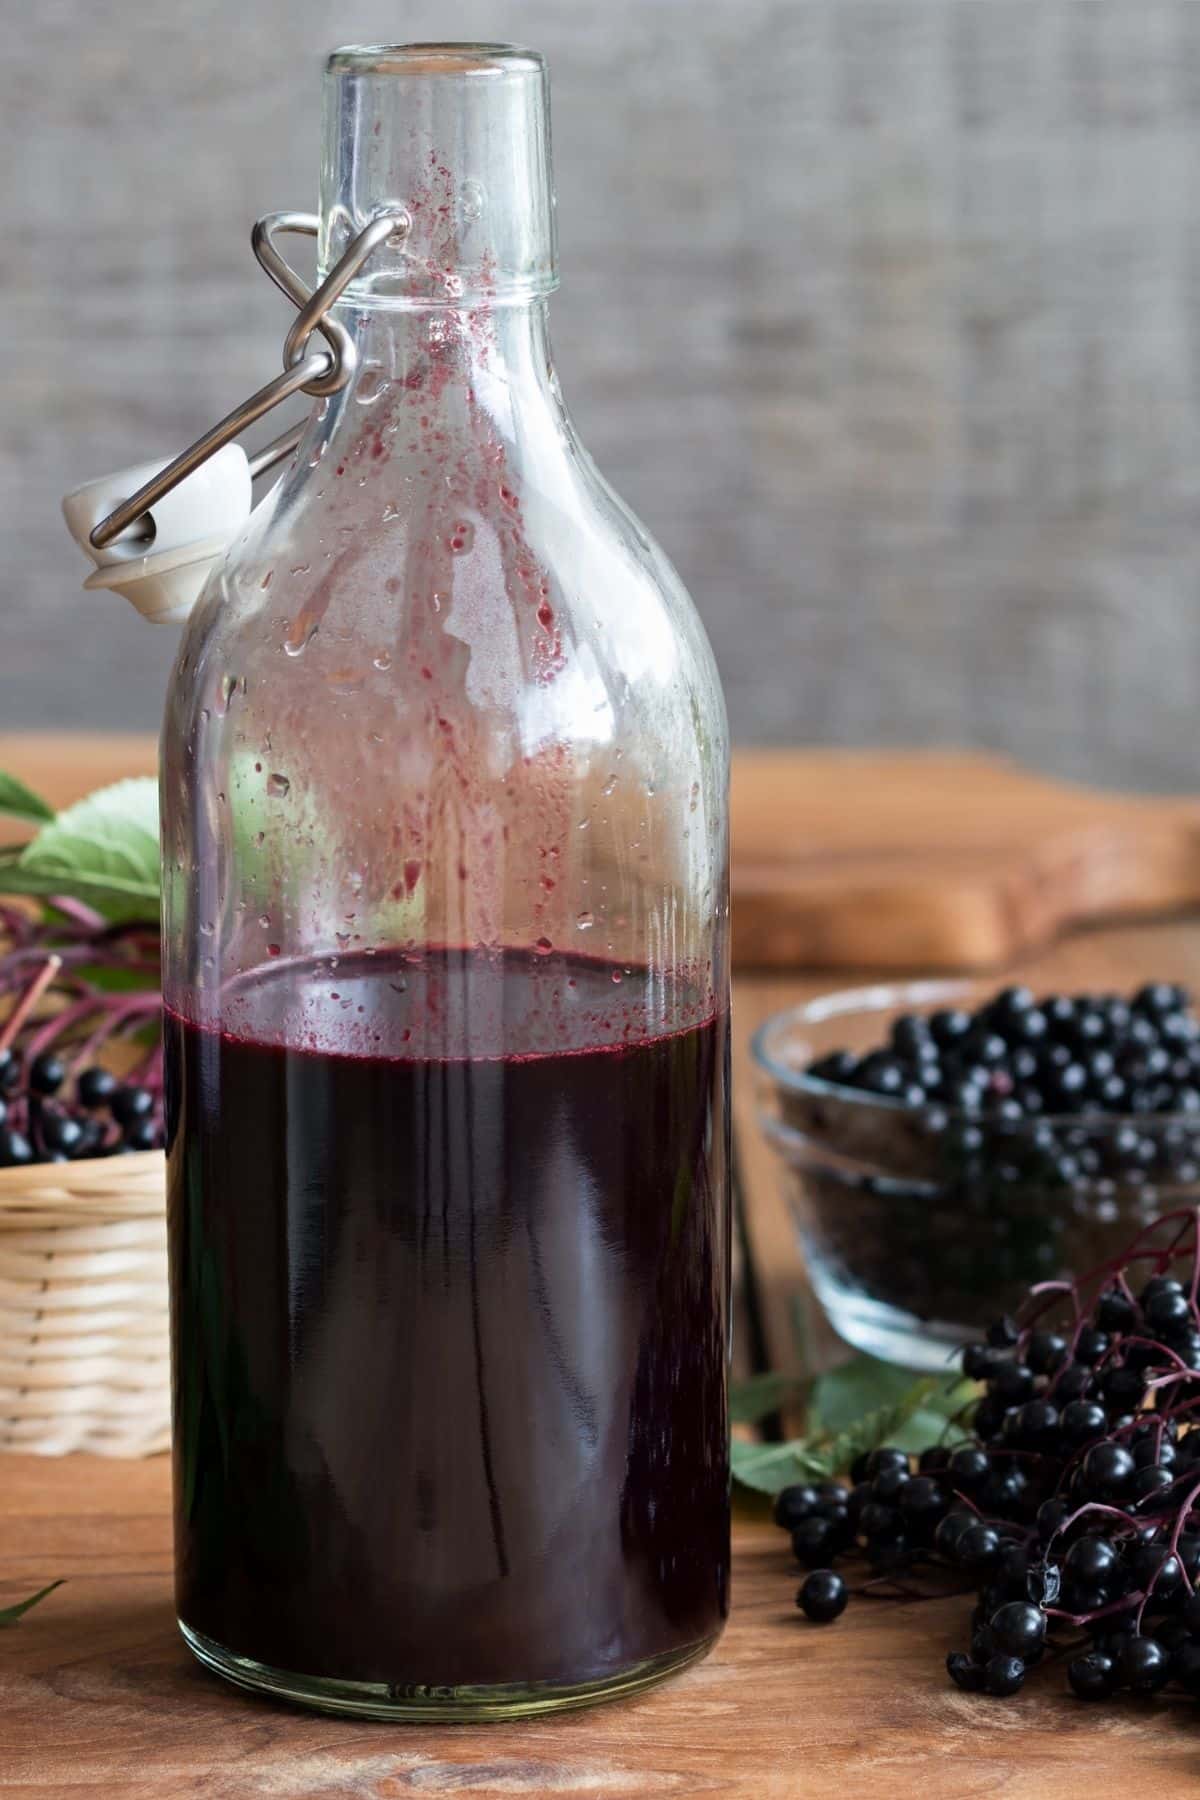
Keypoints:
(979, 1549)
(46, 1074)
(1072, 1383)
(130, 1103)
(950, 1530)
(968, 1468)
(1123, 1388)
(1090, 1560)
(61, 1133)
(911, 1036)
(949, 1026)
(1159, 1284)
(142, 1134)
(881, 1074)
(822, 1596)
(1034, 1423)
(964, 1673)
(795, 1503)
(1003, 1675)
(888, 1552)
(91, 1139)
(989, 1417)
(1012, 1571)
(1148, 1454)
(812, 1541)
(1010, 1003)
(1050, 1517)
(1108, 1469)
(1019, 1629)
(1003, 1490)
(838, 1068)
(1147, 1485)
(1092, 1677)
(922, 1501)
(1091, 1345)
(1158, 999)
(1045, 1352)
(15, 1148)
(1011, 1384)
(879, 1523)
(885, 1458)
(1082, 1421)
(887, 1485)
(1144, 1665)
(96, 1087)
(980, 1361)
(1165, 1310)
(1153, 1571)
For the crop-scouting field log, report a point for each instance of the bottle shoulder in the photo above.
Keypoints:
(533, 602)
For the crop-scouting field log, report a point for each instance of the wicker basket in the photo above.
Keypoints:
(84, 1360)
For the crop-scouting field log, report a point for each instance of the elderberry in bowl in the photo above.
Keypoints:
(944, 1146)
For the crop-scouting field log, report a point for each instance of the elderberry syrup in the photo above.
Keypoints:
(444, 802)
(450, 1323)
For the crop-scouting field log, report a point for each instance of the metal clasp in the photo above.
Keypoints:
(316, 372)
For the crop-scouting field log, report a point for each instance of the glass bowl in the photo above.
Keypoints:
(920, 1225)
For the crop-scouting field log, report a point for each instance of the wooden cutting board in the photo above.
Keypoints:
(858, 859)
(948, 860)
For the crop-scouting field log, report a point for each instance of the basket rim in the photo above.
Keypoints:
(101, 1173)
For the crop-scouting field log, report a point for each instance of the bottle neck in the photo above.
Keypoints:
(474, 370)
(458, 135)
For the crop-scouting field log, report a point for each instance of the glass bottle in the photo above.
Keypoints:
(445, 895)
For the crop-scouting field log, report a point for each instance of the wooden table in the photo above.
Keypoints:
(99, 1697)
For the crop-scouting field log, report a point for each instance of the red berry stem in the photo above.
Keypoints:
(29, 999)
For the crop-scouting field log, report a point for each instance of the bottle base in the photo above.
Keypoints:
(449, 1705)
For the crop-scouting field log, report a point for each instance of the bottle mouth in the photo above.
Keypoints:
(435, 59)
(456, 135)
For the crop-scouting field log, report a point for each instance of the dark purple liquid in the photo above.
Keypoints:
(450, 1324)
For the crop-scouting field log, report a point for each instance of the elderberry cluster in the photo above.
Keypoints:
(45, 1118)
(1016, 1058)
(977, 1153)
(1074, 1514)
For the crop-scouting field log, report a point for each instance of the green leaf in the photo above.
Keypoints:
(862, 1385)
(10, 1614)
(103, 850)
(769, 1467)
(758, 1396)
(885, 1425)
(844, 1398)
(20, 802)
(935, 1422)
(855, 1408)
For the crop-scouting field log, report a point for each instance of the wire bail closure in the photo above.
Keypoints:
(316, 372)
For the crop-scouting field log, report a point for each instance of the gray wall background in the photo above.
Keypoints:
(882, 313)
